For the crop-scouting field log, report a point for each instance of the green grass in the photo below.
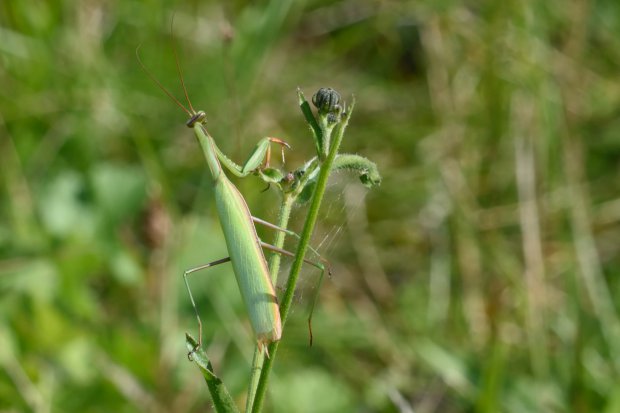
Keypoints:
(480, 276)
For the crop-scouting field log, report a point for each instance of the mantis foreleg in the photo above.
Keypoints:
(259, 157)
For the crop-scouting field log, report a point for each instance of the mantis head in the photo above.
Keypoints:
(199, 117)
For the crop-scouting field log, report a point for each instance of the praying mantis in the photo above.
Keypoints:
(243, 244)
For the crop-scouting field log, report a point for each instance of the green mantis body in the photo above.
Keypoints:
(244, 246)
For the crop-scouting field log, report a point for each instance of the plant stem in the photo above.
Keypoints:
(274, 268)
(304, 241)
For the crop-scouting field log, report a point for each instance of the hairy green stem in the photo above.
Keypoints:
(302, 247)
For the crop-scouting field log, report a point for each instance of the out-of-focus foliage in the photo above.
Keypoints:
(481, 276)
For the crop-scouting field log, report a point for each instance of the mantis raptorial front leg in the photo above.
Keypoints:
(259, 158)
(294, 234)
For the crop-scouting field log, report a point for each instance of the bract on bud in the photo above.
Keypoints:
(333, 117)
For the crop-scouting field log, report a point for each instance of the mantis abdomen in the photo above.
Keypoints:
(248, 261)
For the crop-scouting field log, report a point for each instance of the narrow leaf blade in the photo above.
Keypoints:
(222, 400)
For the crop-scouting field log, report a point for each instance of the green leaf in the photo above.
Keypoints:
(317, 134)
(222, 400)
(306, 193)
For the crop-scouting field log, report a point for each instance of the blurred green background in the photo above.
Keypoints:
(481, 276)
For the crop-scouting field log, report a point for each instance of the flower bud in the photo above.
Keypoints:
(326, 100)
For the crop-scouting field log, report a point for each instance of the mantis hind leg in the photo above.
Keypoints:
(321, 267)
(191, 297)
(325, 265)
(291, 233)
